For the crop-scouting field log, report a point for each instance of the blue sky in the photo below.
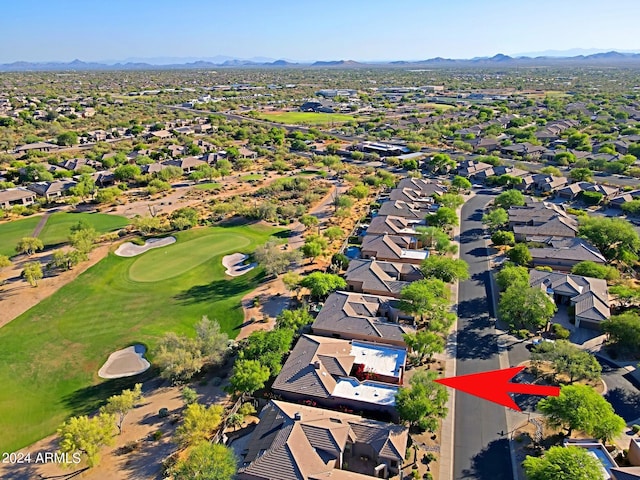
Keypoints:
(90, 30)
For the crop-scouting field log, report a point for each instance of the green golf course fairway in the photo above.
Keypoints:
(58, 225)
(50, 355)
(12, 232)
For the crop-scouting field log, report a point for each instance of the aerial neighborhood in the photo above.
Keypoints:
(260, 273)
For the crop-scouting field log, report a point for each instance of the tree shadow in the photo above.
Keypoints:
(625, 403)
(478, 252)
(88, 400)
(491, 463)
(219, 289)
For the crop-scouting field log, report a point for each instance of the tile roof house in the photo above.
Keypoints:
(393, 225)
(38, 146)
(425, 186)
(470, 168)
(390, 248)
(566, 253)
(399, 208)
(620, 200)
(380, 278)
(540, 221)
(589, 296)
(51, 190)
(572, 191)
(322, 369)
(188, 164)
(297, 442)
(16, 196)
(358, 316)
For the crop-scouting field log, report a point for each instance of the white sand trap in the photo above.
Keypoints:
(125, 363)
(128, 249)
(235, 266)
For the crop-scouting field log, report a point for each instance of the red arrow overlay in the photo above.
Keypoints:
(495, 386)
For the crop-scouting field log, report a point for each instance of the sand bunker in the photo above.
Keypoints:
(235, 265)
(129, 249)
(125, 363)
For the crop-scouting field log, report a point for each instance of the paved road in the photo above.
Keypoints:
(481, 449)
(621, 393)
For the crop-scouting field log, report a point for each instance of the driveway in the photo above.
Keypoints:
(481, 449)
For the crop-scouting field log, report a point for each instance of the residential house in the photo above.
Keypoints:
(188, 164)
(335, 373)
(564, 254)
(572, 191)
(620, 200)
(161, 134)
(391, 248)
(400, 208)
(588, 296)
(523, 149)
(38, 147)
(52, 190)
(244, 152)
(380, 278)
(299, 442)
(393, 225)
(548, 183)
(104, 178)
(16, 196)
(316, 107)
(357, 316)
(469, 168)
(424, 186)
(539, 221)
(382, 149)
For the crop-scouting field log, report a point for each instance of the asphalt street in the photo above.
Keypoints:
(481, 449)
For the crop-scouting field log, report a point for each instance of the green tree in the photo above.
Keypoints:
(424, 344)
(450, 200)
(359, 191)
(436, 238)
(268, 347)
(444, 268)
(32, 273)
(199, 423)
(248, 376)
(595, 270)
(333, 233)
(520, 255)
(322, 284)
(146, 225)
(496, 218)
(580, 407)
(510, 198)
(423, 402)
(314, 246)
(512, 275)
(184, 218)
(528, 307)
(85, 188)
(614, 237)
(120, 405)
(127, 172)
(503, 237)
(567, 359)
(29, 245)
(224, 167)
(67, 139)
(67, 260)
(108, 195)
(442, 163)
(206, 461)
(294, 319)
(275, 260)
(444, 218)
(550, 170)
(189, 395)
(309, 220)
(460, 183)
(624, 331)
(292, 281)
(569, 462)
(581, 175)
(425, 298)
(87, 436)
(180, 357)
(83, 238)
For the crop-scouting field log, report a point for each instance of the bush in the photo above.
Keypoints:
(560, 332)
(157, 435)
(635, 427)
(138, 241)
(163, 412)
(522, 333)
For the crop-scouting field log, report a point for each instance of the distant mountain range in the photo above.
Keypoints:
(499, 60)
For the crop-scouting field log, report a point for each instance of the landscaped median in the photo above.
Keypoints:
(50, 355)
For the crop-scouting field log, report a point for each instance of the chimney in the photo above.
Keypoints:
(297, 416)
(316, 364)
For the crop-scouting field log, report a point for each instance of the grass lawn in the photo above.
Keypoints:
(12, 232)
(57, 228)
(208, 186)
(309, 118)
(441, 106)
(251, 176)
(50, 355)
